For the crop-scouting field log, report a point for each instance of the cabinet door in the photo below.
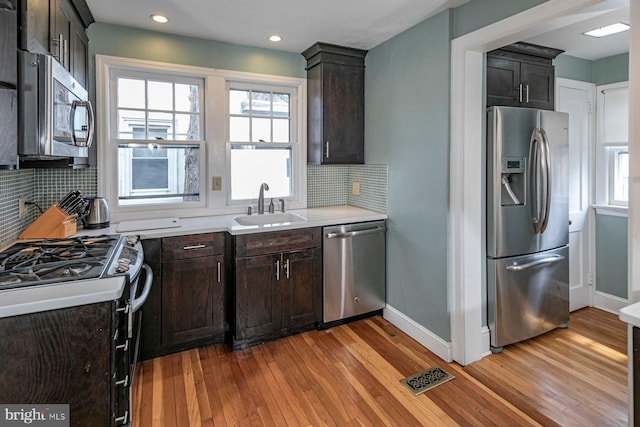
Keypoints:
(8, 127)
(78, 48)
(539, 83)
(188, 288)
(34, 25)
(302, 289)
(258, 281)
(343, 93)
(60, 25)
(503, 82)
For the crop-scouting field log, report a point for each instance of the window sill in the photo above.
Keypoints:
(611, 210)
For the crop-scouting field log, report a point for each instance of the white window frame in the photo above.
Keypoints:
(214, 153)
(605, 152)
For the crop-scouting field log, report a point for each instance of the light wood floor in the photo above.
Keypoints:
(349, 375)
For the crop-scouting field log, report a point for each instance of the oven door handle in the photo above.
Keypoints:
(148, 281)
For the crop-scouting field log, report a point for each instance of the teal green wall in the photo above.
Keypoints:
(570, 67)
(107, 39)
(407, 127)
(611, 255)
(611, 70)
(476, 14)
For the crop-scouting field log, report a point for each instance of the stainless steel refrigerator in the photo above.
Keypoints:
(527, 223)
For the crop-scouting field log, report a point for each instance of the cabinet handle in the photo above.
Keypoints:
(64, 51)
(327, 145)
(527, 93)
(190, 248)
(286, 268)
(219, 272)
(278, 269)
(59, 41)
(520, 90)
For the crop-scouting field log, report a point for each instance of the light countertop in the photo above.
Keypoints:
(315, 217)
(68, 294)
(631, 314)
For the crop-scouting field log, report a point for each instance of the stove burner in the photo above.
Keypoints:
(55, 260)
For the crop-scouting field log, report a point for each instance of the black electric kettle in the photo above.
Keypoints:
(97, 215)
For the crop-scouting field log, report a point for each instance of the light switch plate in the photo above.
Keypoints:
(355, 188)
(216, 183)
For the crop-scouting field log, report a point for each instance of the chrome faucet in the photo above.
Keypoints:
(263, 186)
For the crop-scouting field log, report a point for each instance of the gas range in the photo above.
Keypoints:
(51, 261)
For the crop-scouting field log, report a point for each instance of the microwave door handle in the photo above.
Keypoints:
(72, 121)
(90, 123)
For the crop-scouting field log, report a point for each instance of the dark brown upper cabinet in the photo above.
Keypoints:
(335, 104)
(521, 75)
(57, 28)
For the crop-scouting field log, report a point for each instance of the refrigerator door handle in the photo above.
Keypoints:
(546, 178)
(534, 180)
(541, 261)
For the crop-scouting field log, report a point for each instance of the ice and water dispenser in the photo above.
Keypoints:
(513, 181)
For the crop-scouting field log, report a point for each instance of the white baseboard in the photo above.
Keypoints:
(425, 337)
(610, 303)
(486, 341)
(579, 297)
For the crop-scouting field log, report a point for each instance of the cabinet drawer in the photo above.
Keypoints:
(283, 241)
(196, 245)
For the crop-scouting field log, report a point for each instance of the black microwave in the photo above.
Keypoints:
(56, 119)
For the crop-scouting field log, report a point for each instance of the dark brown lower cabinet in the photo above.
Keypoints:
(62, 356)
(276, 294)
(185, 308)
(192, 303)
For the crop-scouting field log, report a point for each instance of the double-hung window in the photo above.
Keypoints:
(260, 145)
(188, 141)
(613, 144)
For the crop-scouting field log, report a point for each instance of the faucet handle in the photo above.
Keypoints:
(281, 205)
(271, 207)
(248, 210)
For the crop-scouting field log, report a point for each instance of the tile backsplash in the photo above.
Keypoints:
(326, 186)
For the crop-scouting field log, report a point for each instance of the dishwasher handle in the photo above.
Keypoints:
(354, 233)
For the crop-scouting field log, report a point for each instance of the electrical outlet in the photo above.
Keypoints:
(216, 183)
(22, 208)
(355, 188)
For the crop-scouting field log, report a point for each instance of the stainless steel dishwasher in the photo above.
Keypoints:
(354, 267)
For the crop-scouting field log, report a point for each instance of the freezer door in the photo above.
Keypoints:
(509, 228)
(527, 295)
(555, 127)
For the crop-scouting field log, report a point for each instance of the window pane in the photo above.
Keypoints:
(239, 102)
(131, 124)
(187, 127)
(160, 125)
(160, 174)
(187, 98)
(621, 186)
(281, 105)
(251, 166)
(281, 130)
(261, 103)
(160, 95)
(130, 93)
(260, 130)
(239, 129)
(616, 116)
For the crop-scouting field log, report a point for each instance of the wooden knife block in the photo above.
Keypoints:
(52, 224)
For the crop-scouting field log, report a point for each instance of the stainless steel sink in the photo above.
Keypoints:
(269, 219)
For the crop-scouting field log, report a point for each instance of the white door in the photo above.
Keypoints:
(578, 99)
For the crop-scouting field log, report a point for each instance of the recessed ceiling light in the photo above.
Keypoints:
(160, 19)
(608, 30)
(275, 38)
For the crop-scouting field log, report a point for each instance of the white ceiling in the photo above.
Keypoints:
(356, 23)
